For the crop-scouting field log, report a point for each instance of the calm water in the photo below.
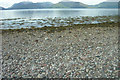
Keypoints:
(43, 13)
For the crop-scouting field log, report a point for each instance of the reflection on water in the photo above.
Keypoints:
(43, 13)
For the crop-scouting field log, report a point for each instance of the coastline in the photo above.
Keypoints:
(20, 23)
(53, 29)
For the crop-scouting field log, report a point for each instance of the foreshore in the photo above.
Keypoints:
(76, 51)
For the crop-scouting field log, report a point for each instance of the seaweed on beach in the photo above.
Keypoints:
(62, 28)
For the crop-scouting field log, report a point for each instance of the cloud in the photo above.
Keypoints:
(113, 0)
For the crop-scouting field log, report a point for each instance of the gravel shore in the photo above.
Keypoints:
(88, 51)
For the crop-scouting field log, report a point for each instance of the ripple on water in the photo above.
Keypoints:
(56, 22)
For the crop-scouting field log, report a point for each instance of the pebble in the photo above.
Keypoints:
(76, 55)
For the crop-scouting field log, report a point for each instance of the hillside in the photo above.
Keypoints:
(107, 5)
(62, 4)
(69, 4)
(30, 5)
(2, 8)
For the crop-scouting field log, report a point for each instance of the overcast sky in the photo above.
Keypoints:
(8, 3)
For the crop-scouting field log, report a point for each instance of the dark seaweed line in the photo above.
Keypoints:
(61, 28)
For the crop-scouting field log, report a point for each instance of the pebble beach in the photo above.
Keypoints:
(79, 51)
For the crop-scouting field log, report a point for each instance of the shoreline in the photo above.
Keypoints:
(50, 29)
(20, 23)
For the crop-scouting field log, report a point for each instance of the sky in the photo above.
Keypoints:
(8, 3)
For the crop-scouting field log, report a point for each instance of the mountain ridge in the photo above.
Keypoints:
(62, 4)
(107, 5)
(69, 4)
(31, 5)
(2, 8)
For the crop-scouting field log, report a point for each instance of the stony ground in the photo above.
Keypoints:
(0, 54)
(76, 53)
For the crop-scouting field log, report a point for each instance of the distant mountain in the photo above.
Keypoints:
(62, 4)
(69, 4)
(2, 8)
(31, 5)
(107, 5)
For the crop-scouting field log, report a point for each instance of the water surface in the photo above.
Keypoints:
(44, 13)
